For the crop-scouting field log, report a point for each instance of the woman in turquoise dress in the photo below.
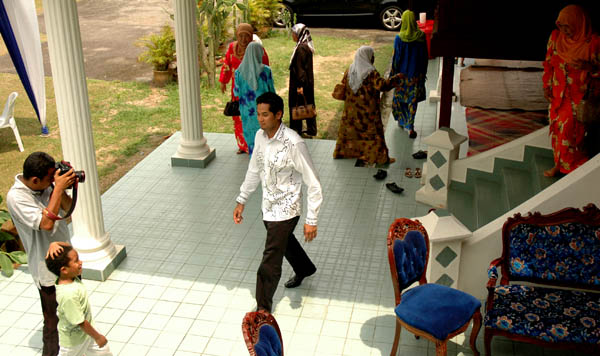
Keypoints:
(410, 58)
(252, 79)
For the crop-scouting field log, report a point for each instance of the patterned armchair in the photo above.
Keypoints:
(556, 250)
(262, 334)
(433, 311)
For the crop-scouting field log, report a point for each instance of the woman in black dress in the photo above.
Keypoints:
(302, 82)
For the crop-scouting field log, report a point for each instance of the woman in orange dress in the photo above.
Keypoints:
(572, 60)
(233, 59)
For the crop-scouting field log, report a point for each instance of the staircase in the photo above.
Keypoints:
(484, 196)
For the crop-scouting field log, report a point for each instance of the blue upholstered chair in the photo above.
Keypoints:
(262, 334)
(433, 311)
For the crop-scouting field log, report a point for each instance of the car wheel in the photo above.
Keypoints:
(391, 18)
(284, 12)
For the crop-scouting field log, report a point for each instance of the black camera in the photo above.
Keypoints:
(64, 167)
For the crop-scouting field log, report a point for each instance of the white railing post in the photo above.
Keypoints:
(446, 235)
(443, 147)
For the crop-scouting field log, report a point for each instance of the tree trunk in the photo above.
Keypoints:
(211, 53)
(202, 45)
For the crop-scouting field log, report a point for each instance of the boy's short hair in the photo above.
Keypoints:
(37, 164)
(275, 102)
(60, 261)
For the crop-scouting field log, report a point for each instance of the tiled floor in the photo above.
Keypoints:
(190, 272)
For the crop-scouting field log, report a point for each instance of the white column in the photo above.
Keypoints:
(442, 146)
(98, 253)
(193, 150)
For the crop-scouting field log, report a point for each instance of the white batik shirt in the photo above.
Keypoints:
(282, 163)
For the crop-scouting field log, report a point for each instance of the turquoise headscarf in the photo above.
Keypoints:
(252, 64)
(410, 32)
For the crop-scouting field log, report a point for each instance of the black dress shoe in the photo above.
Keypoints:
(420, 154)
(380, 175)
(296, 280)
(394, 188)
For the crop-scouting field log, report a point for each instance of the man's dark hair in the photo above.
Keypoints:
(275, 102)
(60, 261)
(37, 164)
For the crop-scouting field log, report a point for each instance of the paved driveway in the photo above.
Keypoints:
(109, 29)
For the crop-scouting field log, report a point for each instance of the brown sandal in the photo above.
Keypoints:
(417, 172)
(408, 173)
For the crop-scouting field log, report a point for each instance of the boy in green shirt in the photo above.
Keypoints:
(77, 336)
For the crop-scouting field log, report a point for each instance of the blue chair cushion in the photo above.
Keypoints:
(268, 343)
(436, 309)
(547, 314)
(410, 254)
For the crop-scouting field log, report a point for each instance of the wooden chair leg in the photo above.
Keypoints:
(487, 342)
(441, 348)
(396, 338)
(475, 331)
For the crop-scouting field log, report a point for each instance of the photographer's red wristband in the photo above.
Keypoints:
(50, 215)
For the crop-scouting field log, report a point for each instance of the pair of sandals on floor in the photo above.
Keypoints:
(409, 174)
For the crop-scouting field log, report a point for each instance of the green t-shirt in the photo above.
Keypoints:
(73, 309)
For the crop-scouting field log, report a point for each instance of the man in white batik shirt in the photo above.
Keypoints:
(280, 161)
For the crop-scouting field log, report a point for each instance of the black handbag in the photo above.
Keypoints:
(232, 108)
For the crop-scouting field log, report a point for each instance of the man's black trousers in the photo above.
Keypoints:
(280, 242)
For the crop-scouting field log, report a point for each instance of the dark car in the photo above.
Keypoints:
(388, 12)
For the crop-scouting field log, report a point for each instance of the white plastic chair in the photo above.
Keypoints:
(7, 119)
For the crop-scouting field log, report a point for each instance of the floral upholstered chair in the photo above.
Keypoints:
(262, 334)
(433, 311)
(548, 252)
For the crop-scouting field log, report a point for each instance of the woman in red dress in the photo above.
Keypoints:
(572, 60)
(233, 59)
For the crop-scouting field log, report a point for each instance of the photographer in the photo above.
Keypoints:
(34, 203)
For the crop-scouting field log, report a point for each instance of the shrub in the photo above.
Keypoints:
(262, 14)
(160, 48)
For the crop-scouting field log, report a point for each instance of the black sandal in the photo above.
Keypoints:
(420, 154)
(380, 175)
(394, 188)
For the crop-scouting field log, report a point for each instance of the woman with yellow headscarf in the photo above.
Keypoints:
(410, 59)
(572, 60)
(233, 58)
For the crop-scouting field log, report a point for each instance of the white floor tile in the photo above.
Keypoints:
(131, 318)
(120, 333)
(155, 321)
(163, 307)
(134, 350)
(144, 337)
(169, 340)
(14, 336)
(218, 347)
(193, 343)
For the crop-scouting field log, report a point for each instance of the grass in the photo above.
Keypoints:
(130, 119)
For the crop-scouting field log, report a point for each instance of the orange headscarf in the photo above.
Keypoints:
(576, 47)
(242, 28)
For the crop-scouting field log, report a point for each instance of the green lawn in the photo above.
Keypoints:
(130, 119)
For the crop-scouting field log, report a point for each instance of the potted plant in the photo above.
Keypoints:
(160, 52)
(9, 259)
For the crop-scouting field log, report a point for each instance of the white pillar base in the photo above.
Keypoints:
(178, 160)
(101, 269)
